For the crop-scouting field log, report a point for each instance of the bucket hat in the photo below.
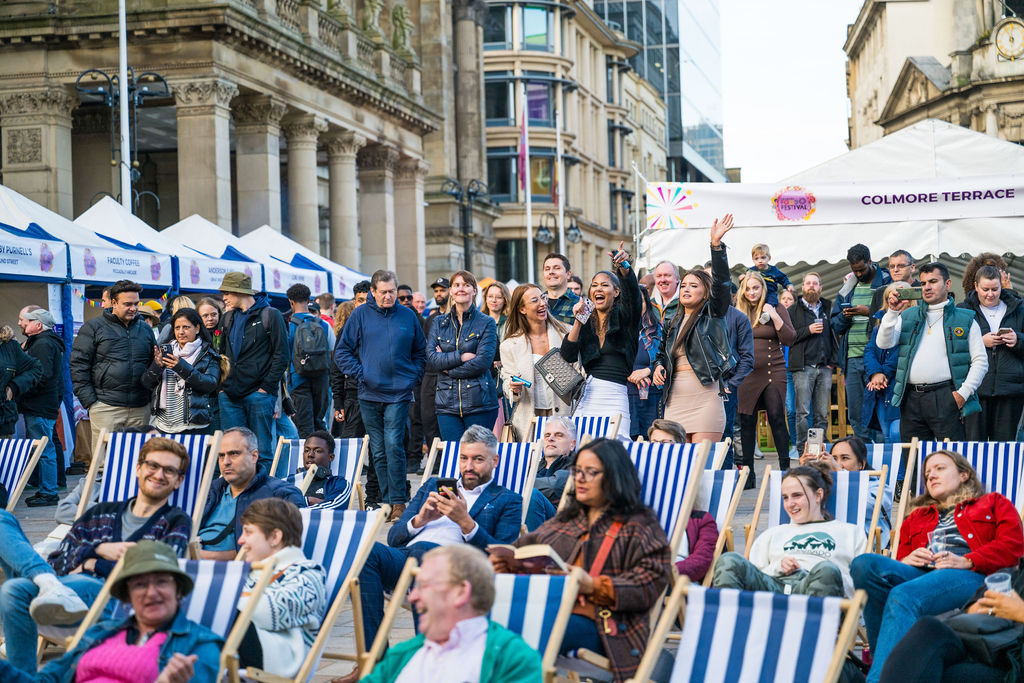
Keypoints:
(237, 283)
(148, 557)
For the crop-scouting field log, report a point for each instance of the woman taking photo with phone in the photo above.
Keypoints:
(604, 338)
(1001, 318)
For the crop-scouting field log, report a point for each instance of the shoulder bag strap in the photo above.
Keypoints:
(605, 549)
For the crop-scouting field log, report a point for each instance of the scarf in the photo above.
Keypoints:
(188, 353)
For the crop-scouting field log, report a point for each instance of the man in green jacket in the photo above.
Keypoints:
(453, 593)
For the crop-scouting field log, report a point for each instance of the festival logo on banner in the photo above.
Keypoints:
(45, 258)
(89, 262)
(248, 272)
(316, 283)
(793, 203)
(664, 206)
(193, 272)
(154, 268)
(277, 278)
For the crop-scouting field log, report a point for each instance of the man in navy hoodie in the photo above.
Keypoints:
(383, 347)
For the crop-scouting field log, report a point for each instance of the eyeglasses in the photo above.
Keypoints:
(586, 473)
(152, 467)
(898, 266)
(142, 583)
(405, 297)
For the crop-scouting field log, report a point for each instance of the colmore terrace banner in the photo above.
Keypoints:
(819, 221)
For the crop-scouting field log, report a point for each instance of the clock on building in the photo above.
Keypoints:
(1009, 38)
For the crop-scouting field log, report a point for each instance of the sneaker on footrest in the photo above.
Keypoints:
(57, 604)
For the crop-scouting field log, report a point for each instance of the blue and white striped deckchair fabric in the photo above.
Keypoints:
(513, 471)
(596, 426)
(345, 464)
(679, 450)
(213, 601)
(530, 605)
(848, 502)
(890, 454)
(730, 635)
(15, 458)
(666, 471)
(716, 492)
(999, 464)
(120, 483)
(334, 539)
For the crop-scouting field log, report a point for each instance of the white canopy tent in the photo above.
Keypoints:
(266, 241)
(929, 149)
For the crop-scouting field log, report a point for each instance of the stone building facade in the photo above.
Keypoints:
(332, 120)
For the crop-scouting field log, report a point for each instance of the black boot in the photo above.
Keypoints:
(751, 480)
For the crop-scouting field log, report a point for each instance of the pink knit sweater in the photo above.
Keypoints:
(115, 661)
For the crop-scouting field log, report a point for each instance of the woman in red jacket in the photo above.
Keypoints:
(983, 534)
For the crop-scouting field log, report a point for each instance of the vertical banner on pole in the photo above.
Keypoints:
(525, 183)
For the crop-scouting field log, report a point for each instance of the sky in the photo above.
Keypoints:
(784, 84)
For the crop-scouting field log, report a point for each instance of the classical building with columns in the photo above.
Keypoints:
(561, 55)
(336, 121)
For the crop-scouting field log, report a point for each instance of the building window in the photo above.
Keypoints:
(540, 96)
(613, 205)
(498, 28)
(609, 85)
(538, 25)
(499, 103)
(510, 260)
(501, 174)
(611, 144)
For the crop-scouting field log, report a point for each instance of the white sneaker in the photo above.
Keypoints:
(57, 604)
(757, 453)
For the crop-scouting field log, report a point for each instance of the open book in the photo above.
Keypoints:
(530, 559)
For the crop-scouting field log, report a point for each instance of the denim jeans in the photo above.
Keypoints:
(37, 427)
(642, 413)
(453, 426)
(385, 425)
(730, 402)
(813, 392)
(380, 573)
(854, 388)
(255, 411)
(898, 595)
(791, 408)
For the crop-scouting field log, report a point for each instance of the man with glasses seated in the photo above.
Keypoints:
(477, 512)
(59, 589)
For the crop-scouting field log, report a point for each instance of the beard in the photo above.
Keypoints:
(868, 276)
(812, 297)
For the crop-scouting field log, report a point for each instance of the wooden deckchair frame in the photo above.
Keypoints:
(38, 446)
(356, 499)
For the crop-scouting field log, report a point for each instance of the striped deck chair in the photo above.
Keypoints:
(213, 601)
(892, 455)
(537, 607)
(515, 469)
(349, 457)
(731, 636)
(720, 494)
(18, 457)
(715, 459)
(120, 454)
(340, 541)
(594, 426)
(848, 502)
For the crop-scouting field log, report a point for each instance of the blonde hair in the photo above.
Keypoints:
(6, 334)
(752, 311)
(969, 489)
(516, 324)
(484, 308)
(761, 249)
(341, 314)
(892, 287)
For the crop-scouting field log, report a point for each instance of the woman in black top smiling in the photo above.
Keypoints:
(605, 342)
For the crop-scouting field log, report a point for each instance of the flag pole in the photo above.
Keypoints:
(526, 185)
(559, 197)
(122, 95)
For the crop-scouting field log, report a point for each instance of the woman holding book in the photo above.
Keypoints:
(607, 532)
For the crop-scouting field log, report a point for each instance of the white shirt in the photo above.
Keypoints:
(457, 661)
(444, 531)
(994, 315)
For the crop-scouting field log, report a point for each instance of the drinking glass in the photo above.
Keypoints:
(998, 582)
(937, 541)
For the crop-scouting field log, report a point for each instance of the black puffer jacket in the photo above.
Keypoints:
(707, 341)
(201, 381)
(43, 399)
(18, 372)
(108, 360)
(1005, 376)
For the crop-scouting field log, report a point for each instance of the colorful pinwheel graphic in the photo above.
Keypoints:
(666, 203)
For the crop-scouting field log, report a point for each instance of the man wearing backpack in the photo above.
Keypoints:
(257, 346)
(309, 380)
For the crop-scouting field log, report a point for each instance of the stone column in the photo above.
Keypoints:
(91, 157)
(410, 224)
(258, 160)
(469, 89)
(204, 148)
(342, 147)
(302, 132)
(36, 143)
(377, 206)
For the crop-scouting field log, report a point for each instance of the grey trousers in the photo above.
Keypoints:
(735, 571)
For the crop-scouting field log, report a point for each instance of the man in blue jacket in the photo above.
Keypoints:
(242, 482)
(383, 347)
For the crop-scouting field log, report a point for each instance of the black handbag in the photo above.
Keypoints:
(986, 638)
(565, 380)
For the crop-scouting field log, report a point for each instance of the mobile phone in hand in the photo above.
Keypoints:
(1004, 330)
(588, 308)
(166, 350)
(447, 483)
(815, 441)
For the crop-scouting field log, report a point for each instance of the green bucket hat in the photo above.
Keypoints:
(149, 557)
(237, 283)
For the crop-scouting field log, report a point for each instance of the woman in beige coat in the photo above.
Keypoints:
(530, 332)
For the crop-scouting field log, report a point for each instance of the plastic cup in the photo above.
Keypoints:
(643, 391)
(998, 582)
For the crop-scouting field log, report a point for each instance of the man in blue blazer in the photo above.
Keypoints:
(478, 512)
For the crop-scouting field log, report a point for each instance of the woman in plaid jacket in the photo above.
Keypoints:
(606, 530)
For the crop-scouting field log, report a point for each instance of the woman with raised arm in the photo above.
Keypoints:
(695, 351)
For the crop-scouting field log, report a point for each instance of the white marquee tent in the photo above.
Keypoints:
(266, 241)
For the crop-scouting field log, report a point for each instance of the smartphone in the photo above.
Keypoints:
(526, 383)
(166, 350)
(845, 304)
(909, 293)
(815, 441)
(447, 483)
(1004, 330)
(584, 315)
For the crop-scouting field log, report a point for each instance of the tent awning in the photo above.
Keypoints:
(268, 241)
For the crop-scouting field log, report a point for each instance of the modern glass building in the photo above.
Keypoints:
(681, 57)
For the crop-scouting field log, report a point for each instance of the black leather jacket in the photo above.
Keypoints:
(201, 382)
(707, 342)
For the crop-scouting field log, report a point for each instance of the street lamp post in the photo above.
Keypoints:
(465, 195)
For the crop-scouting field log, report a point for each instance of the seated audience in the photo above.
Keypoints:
(559, 440)
(666, 431)
(317, 456)
(851, 454)
(982, 532)
(291, 609)
(607, 531)
(478, 512)
(453, 594)
(809, 556)
(157, 643)
(58, 592)
(242, 482)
